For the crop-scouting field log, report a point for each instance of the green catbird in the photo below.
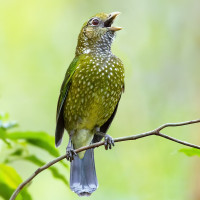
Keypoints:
(89, 98)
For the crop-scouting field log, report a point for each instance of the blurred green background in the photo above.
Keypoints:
(160, 48)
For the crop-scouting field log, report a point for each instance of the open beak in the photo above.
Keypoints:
(110, 21)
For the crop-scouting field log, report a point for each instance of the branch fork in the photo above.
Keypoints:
(133, 137)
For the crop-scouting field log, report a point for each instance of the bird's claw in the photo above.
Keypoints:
(108, 142)
(70, 154)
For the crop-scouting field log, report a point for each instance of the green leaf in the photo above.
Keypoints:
(13, 155)
(57, 174)
(53, 170)
(64, 164)
(2, 133)
(6, 191)
(3, 136)
(190, 152)
(39, 139)
(8, 125)
(4, 116)
(9, 181)
(5, 123)
(17, 152)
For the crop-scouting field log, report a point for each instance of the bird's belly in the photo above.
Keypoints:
(92, 98)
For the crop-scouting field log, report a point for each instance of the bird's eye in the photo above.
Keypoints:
(95, 22)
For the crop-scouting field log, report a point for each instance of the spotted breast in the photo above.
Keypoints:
(95, 90)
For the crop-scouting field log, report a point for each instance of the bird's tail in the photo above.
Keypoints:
(83, 179)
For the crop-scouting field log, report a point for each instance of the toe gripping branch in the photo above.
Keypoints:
(70, 151)
(108, 140)
(108, 143)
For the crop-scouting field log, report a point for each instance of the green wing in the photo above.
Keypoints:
(63, 94)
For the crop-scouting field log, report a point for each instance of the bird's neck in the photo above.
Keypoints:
(101, 46)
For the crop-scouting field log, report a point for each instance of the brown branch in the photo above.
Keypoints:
(133, 137)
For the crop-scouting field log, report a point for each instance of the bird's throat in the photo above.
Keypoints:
(100, 46)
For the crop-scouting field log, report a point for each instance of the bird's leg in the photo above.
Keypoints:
(70, 151)
(108, 140)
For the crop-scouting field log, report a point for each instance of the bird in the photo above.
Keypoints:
(89, 98)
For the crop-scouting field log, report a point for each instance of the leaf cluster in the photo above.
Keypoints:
(15, 146)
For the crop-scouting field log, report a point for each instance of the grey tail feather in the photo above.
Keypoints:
(83, 179)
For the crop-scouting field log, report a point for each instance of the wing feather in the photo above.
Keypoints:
(63, 94)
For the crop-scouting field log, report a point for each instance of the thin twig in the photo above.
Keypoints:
(179, 141)
(133, 137)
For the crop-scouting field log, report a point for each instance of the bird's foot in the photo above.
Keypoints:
(70, 154)
(108, 142)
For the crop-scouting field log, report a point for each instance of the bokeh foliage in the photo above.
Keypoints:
(15, 147)
(160, 48)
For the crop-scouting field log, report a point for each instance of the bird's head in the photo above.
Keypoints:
(97, 33)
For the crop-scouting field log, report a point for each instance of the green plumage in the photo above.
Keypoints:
(95, 90)
(92, 86)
